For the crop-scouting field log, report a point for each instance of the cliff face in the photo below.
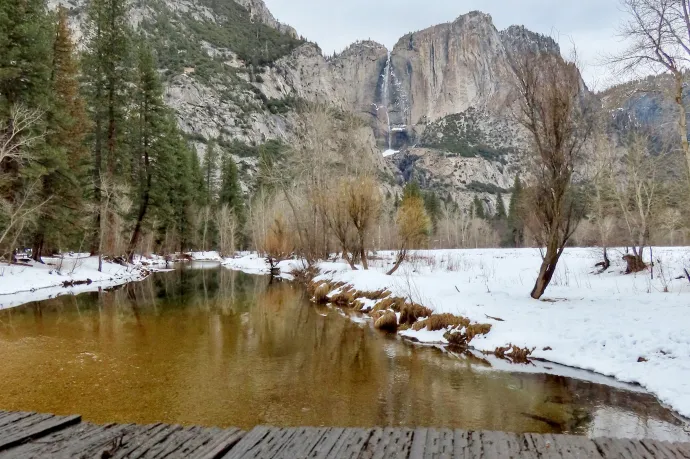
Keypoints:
(437, 101)
(449, 68)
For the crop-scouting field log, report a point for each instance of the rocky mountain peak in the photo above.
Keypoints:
(519, 38)
(260, 12)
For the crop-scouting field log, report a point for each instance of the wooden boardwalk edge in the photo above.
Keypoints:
(33, 435)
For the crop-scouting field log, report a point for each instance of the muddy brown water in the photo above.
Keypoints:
(220, 348)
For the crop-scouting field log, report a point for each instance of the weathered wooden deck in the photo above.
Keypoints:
(33, 435)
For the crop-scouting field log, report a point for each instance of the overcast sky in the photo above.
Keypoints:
(334, 24)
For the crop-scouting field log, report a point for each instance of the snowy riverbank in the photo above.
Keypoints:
(627, 326)
(70, 275)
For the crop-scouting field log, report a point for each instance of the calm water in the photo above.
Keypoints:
(217, 347)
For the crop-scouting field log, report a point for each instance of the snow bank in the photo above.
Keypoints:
(627, 326)
(36, 282)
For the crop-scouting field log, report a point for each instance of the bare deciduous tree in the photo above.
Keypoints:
(363, 206)
(659, 35)
(553, 108)
(637, 191)
(227, 229)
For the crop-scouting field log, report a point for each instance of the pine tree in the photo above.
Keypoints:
(432, 204)
(515, 224)
(500, 208)
(231, 191)
(153, 124)
(64, 160)
(25, 37)
(107, 66)
(210, 168)
(478, 207)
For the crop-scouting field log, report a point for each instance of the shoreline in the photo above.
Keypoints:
(624, 327)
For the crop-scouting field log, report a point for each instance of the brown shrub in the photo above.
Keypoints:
(387, 322)
(345, 297)
(462, 335)
(476, 329)
(393, 303)
(305, 275)
(513, 353)
(411, 312)
(440, 321)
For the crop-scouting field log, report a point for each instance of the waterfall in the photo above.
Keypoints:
(386, 89)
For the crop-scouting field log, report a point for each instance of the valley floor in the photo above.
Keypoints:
(627, 326)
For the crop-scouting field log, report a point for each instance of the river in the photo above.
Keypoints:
(209, 346)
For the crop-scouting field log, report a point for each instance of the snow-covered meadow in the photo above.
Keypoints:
(631, 327)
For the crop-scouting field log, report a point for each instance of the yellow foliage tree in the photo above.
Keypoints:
(414, 226)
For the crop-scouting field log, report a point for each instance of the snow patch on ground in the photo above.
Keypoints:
(21, 284)
(629, 327)
(389, 152)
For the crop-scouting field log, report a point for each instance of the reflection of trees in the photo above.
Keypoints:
(217, 347)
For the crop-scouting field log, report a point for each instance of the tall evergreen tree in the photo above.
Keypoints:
(107, 65)
(25, 38)
(210, 168)
(500, 208)
(515, 224)
(64, 160)
(231, 191)
(478, 207)
(152, 124)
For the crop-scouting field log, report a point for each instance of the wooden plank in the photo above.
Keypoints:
(302, 443)
(268, 443)
(248, 443)
(662, 449)
(475, 445)
(461, 444)
(14, 418)
(570, 446)
(39, 429)
(502, 444)
(394, 443)
(683, 449)
(146, 442)
(351, 444)
(52, 445)
(323, 448)
(102, 439)
(418, 443)
(220, 444)
(618, 449)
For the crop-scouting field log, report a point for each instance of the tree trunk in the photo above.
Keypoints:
(546, 272)
(350, 260)
(37, 248)
(402, 254)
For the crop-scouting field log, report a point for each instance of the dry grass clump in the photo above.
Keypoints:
(388, 322)
(440, 321)
(394, 303)
(321, 293)
(345, 297)
(410, 313)
(513, 353)
(462, 335)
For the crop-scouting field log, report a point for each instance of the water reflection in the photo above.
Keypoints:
(215, 347)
